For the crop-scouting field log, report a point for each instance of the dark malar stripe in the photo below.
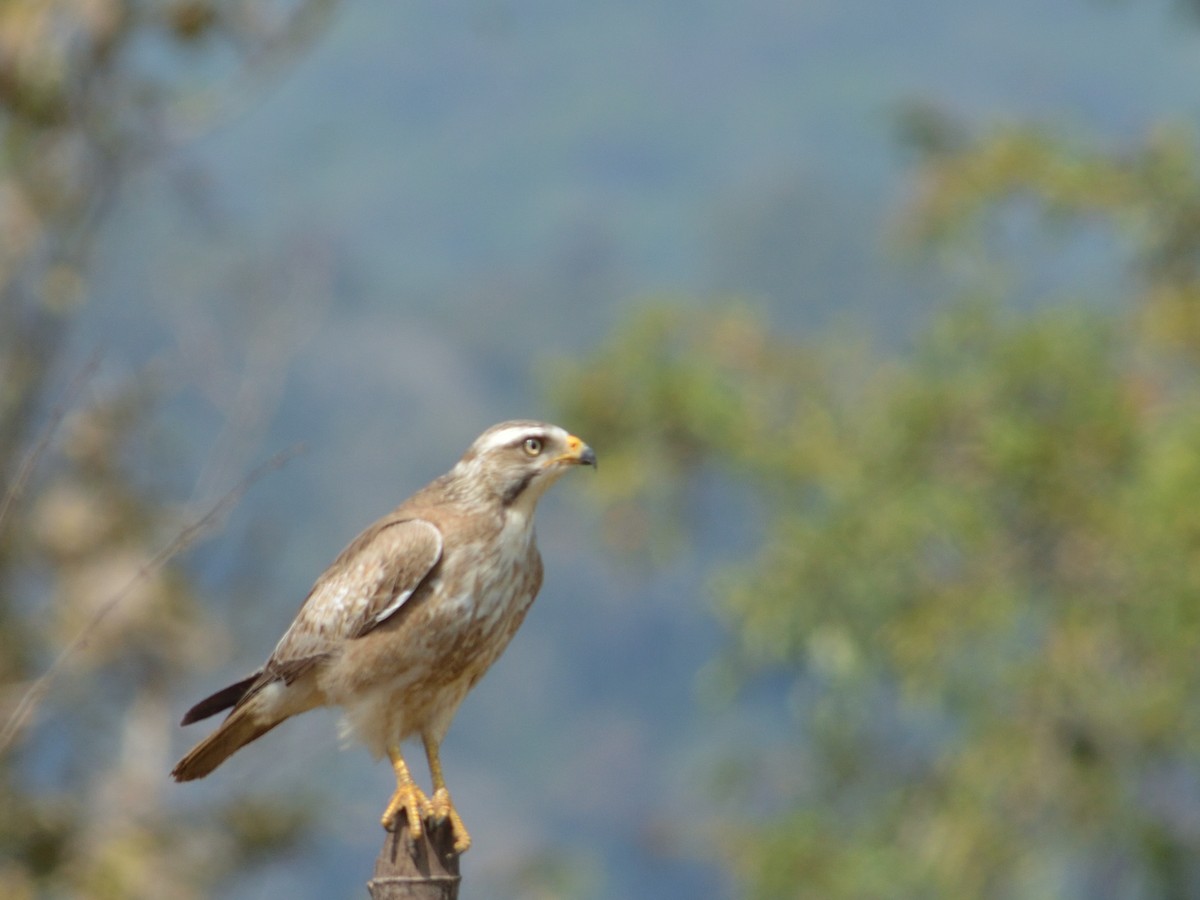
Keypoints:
(511, 495)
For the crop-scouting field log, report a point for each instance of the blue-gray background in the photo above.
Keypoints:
(388, 249)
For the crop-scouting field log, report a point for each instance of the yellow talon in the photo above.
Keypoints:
(407, 797)
(442, 807)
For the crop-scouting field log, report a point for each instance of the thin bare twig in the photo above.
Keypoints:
(57, 413)
(266, 64)
(38, 689)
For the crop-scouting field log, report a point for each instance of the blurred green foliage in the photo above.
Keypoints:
(93, 635)
(980, 564)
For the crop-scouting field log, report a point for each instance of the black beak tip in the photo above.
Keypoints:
(588, 457)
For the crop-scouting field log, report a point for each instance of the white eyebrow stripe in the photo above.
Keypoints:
(507, 436)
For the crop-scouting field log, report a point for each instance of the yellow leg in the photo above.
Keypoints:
(408, 797)
(442, 805)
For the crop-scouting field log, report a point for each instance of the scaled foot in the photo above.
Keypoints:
(415, 806)
(441, 809)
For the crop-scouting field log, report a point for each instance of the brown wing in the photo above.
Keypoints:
(365, 585)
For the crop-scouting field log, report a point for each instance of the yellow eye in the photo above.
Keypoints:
(533, 446)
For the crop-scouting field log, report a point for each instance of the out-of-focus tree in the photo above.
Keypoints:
(980, 570)
(89, 90)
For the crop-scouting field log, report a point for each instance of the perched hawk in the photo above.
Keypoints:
(409, 617)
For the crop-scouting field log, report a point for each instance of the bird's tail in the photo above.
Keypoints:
(245, 724)
(222, 699)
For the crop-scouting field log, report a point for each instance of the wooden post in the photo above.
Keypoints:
(424, 870)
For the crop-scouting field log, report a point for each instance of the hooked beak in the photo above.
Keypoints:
(578, 453)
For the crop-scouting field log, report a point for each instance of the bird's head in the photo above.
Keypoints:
(516, 461)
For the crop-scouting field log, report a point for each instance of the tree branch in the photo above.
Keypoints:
(37, 690)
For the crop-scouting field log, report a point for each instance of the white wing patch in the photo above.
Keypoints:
(401, 596)
(369, 582)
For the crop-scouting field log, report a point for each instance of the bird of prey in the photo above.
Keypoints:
(408, 618)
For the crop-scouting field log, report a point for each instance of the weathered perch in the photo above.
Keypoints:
(424, 870)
